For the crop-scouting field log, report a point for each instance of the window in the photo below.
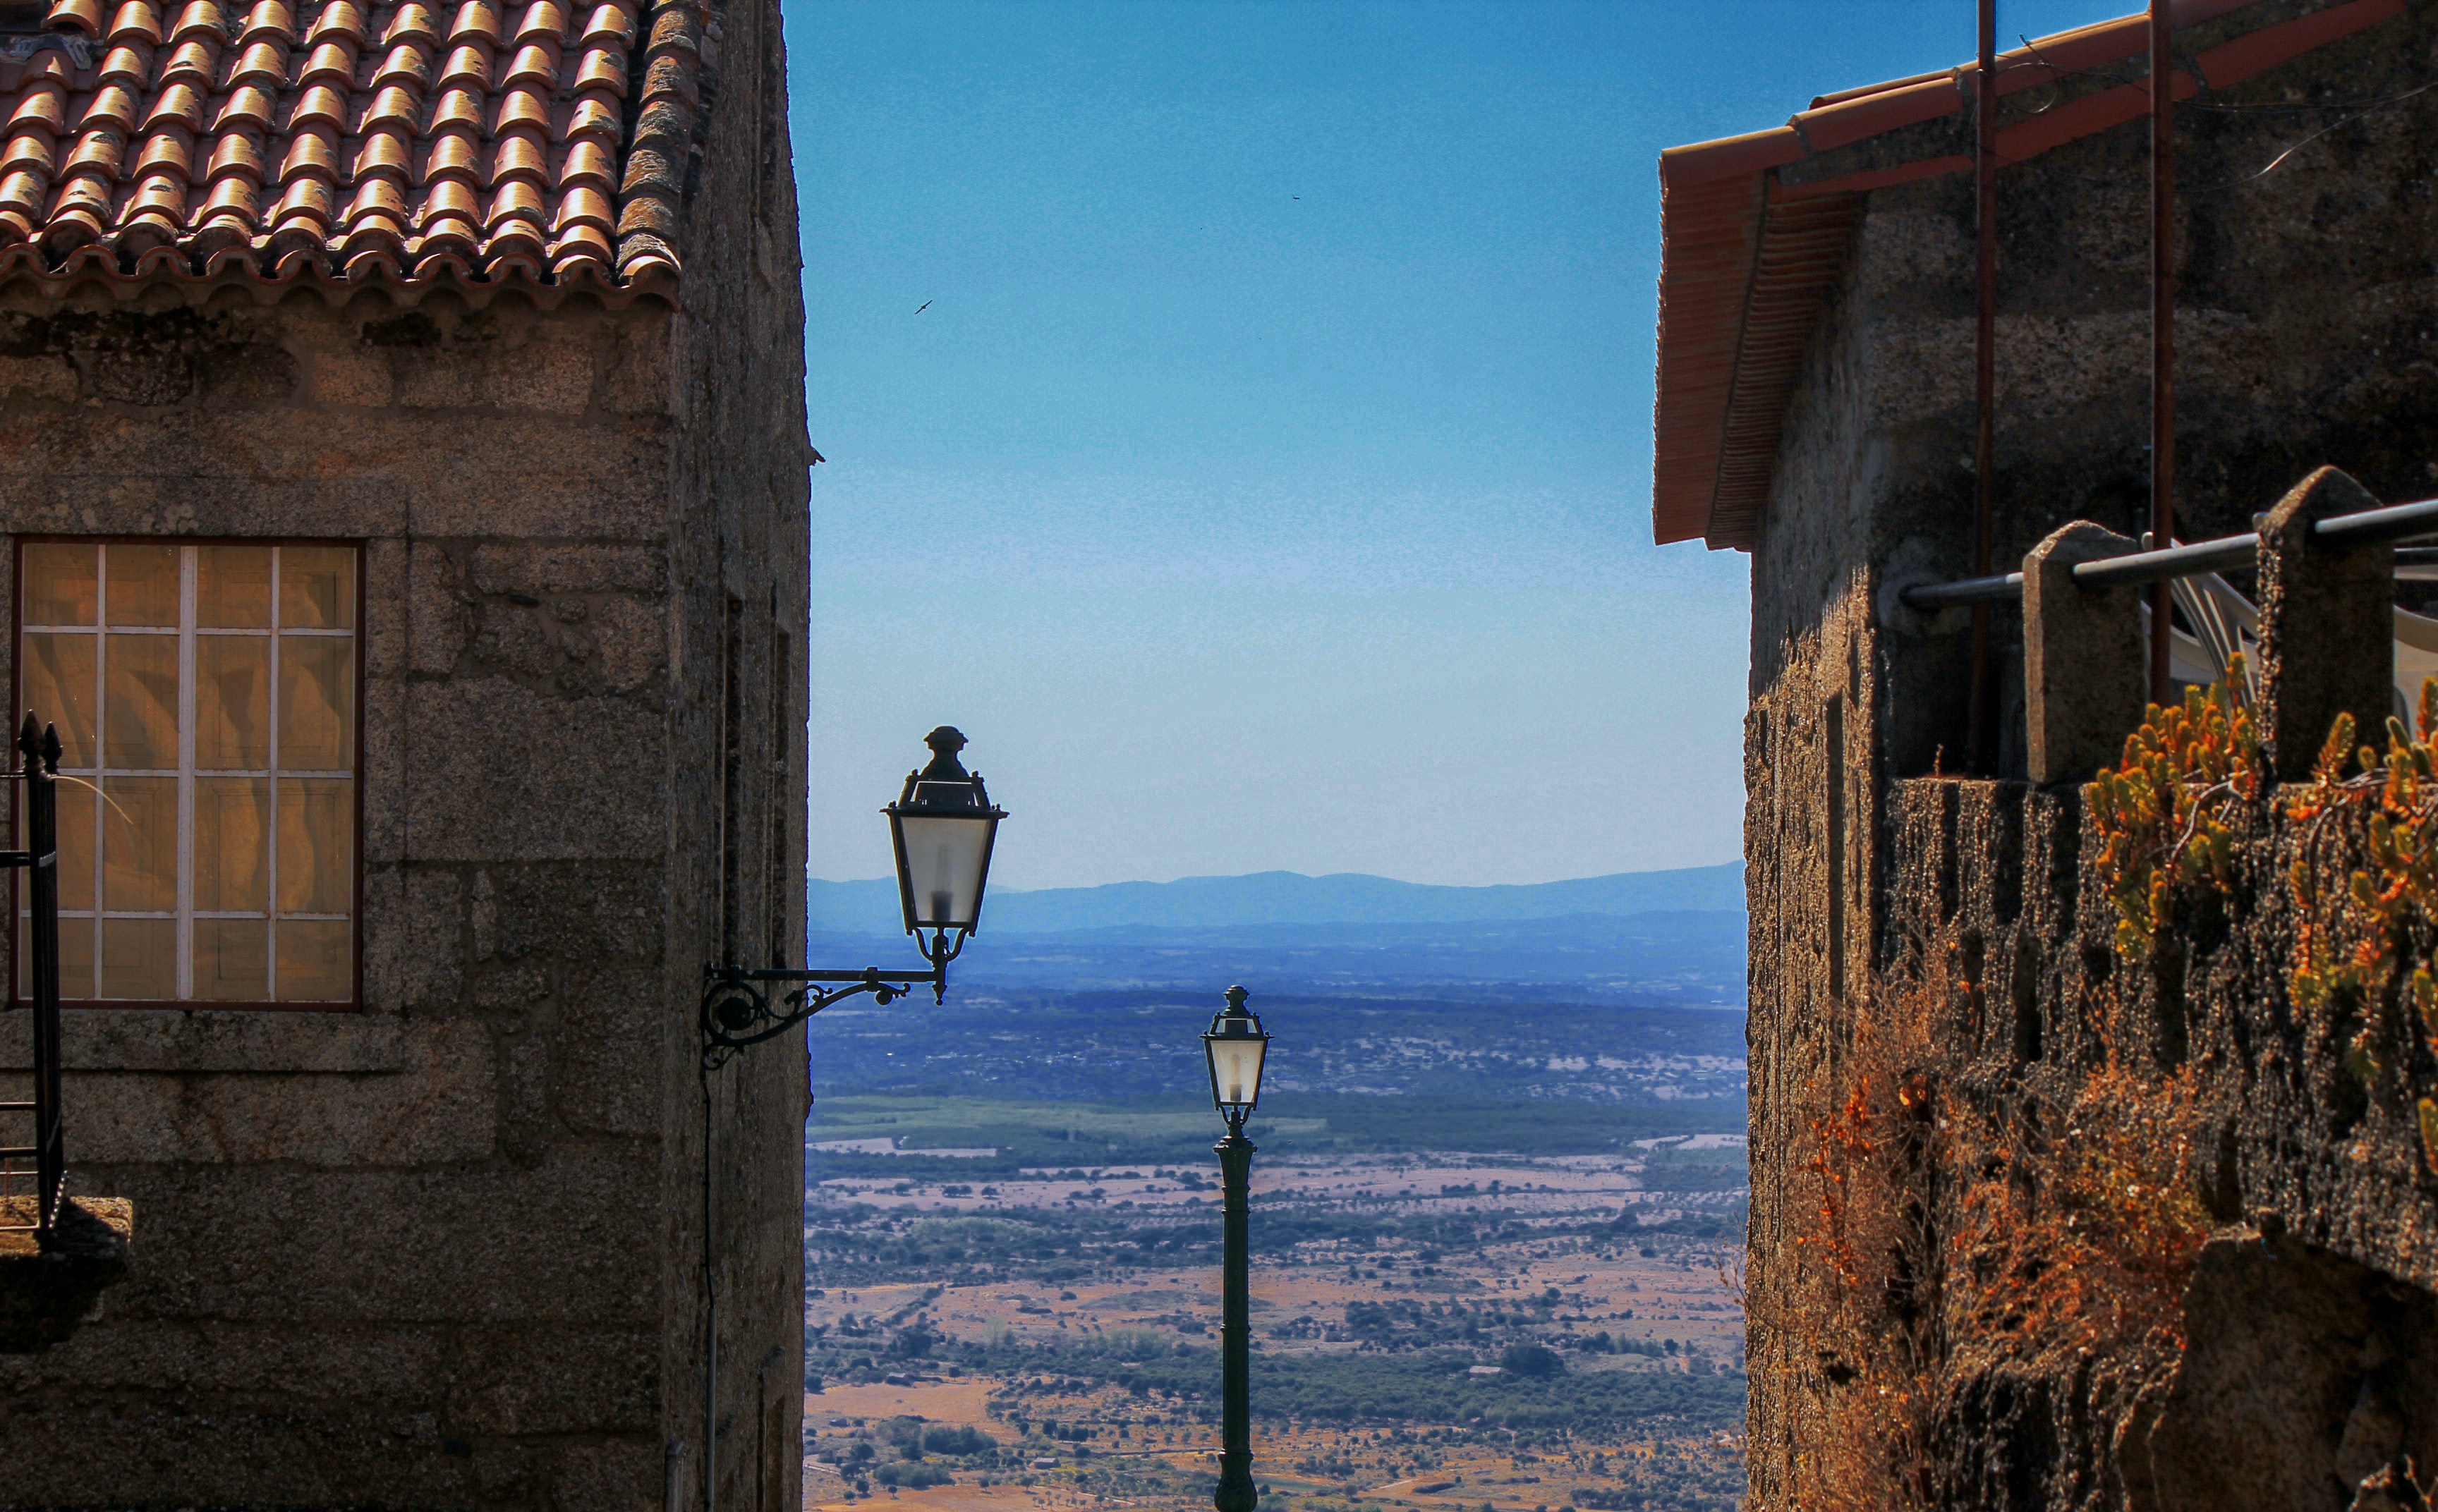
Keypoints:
(205, 695)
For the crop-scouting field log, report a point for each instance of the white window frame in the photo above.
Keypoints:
(88, 911)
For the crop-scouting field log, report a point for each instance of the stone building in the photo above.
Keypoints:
(1816, 410)
(405, 474)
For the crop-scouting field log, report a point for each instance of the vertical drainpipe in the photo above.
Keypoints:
(1982, 743)
(2163, 332)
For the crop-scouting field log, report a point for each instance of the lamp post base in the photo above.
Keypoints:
(1236, 1492)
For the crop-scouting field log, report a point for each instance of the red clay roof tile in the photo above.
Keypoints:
(1729, 157)
(1746, 260)
(541, 19)
(319, 107)
(1850, 121)
(480, 142)
(136, 21)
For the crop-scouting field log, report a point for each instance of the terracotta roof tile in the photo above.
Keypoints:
(340, 20)
(1747, 257)
(541, 18)
(136, 21)
(480, 142)
(319, 107)
(612, 24)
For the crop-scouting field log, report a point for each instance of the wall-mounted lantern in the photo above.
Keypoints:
(941, 826)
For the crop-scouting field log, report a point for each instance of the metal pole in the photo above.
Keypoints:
(2367, 527)
(1981, 745)
(2163, 331)
(41, 758)
(1236, 1492)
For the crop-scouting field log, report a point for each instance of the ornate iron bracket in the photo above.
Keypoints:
(737, 1012)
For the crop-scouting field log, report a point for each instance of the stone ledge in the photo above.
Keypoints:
(322, 1041)
(47, 1289)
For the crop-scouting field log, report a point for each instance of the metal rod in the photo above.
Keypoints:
(2363, 528)
(2003, 588)
(762, 974)
(1982, 724)
(40, 747)
(2163, 329)
(2187, 560)
(2368, 526)
(1236, 1491)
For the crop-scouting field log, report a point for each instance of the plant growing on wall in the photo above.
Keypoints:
(1953, 1220)
(2084, 1221)
(1865, 1301)
(2161, 812)
(2350, 940)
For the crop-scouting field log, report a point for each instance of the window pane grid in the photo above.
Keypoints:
(177, 891)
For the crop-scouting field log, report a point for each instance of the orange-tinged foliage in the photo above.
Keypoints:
(2063, 1222)
(2161, 812)
(2351, 943)
(2086, 1241)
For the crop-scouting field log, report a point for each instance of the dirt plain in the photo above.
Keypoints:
(1677, 1301)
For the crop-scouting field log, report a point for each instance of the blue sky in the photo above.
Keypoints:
(1267, 485)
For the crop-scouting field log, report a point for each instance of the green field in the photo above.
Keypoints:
(1024, 1133)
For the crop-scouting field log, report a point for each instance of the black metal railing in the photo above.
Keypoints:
(2361, 528)
(39, 747)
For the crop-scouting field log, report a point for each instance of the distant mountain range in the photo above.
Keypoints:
(1290, 898)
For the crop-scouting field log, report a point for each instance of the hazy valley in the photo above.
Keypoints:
(1495, 1214)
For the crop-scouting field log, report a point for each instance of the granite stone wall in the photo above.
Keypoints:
(2309, 1321)
(448, 1250)
(2308, 316)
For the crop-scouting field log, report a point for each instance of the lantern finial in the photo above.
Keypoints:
(945, 742)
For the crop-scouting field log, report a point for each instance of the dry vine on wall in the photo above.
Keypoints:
(1963, 1222)
(1957, 1228)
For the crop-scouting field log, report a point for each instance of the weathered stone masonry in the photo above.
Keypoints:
(2307, 318)
(446, 1251)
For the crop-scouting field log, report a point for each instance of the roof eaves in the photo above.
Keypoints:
(98, 269)
(1727, 331)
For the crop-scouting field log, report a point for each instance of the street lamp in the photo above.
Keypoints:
(1235, 1045)
(942, 827)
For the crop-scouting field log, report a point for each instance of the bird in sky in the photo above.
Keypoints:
(920, 308)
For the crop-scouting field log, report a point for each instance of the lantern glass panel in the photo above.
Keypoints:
(1235, 1068)
(943, 859)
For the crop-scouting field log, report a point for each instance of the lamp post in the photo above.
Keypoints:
(1235, 1045)
(942, 827)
